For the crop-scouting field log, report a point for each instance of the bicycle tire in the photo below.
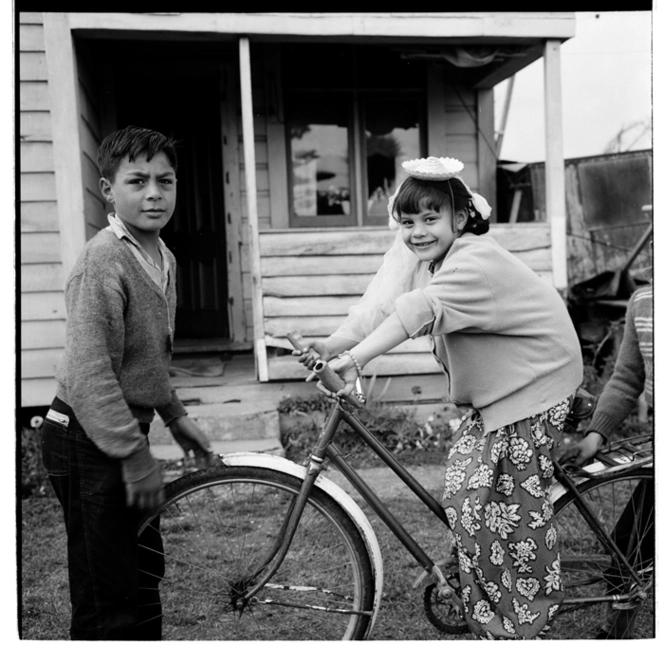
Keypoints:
(586, 564)
(218, 523)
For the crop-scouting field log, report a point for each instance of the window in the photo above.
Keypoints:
(353, 114)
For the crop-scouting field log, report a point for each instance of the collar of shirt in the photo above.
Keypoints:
(159, 275)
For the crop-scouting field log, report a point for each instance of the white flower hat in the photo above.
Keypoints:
(437, 169)
(433, 168)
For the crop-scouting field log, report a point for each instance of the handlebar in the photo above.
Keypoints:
(326, 375)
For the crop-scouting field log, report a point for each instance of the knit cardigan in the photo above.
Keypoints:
(502, 332)
(633, 372)
(115, 368)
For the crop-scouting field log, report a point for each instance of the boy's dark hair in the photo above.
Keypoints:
(131, 142)
(416, 195)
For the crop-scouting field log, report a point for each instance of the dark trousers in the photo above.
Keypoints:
(113, 575)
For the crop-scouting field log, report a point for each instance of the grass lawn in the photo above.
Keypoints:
(45, 592)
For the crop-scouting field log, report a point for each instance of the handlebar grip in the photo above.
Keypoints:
(332, 381)
(296, 340)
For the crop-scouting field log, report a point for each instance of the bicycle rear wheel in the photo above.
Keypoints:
(623, 504)
(217, 525)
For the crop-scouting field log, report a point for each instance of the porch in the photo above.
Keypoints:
(239, 413)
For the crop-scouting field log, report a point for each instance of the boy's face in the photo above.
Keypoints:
(143, 193)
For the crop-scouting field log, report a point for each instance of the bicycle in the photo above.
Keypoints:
(261, 548)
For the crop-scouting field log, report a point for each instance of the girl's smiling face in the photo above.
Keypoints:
(430, 234)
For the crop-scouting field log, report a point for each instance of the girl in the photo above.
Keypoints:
(513, 361)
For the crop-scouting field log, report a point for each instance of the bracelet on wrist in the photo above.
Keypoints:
(352, 358)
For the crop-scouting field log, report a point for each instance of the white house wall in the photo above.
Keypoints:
(42, 273)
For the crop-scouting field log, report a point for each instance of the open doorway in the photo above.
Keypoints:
(175, 88)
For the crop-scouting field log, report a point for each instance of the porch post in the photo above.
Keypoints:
(554, 167)
(260, 353)
(67, 155)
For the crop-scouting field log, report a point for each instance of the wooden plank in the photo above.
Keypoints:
(464, 147)
(35, 126)
(62, 75)
(320, 265)
(437, 124)
(555, 162)
(286, 368)
(522, 237)
(32, 66)
(38, 187)
(31, 37)
(39, 217)
(37, 392)
(42, 277)
(40, 248)
(96, 210)
(33, 96)
(319, 285)
(90, 142)
(307, 326)
(43, 306)
(252, 210)
(510, 67)
(89, 109)
(376, 241)
(43, 334)
(40, 363)
(412, 345)
(305, 307)
(536, 259)
(276, 137)
(391, 26)
(235, 260)
(327, 242)
(486, 150)
(30, 17)
(37, 157)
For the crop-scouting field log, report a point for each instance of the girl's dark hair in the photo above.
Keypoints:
(131, 142)
(416, 195)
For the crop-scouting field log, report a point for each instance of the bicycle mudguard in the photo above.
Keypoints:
(273, 462)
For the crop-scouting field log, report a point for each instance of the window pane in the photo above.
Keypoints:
(319, 163)
(392, 136)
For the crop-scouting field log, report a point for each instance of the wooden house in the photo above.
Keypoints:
(293, 127)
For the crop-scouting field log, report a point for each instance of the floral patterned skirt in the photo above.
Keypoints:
(496, 497)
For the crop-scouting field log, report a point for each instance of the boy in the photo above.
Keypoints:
(121, 301)
(633, 375)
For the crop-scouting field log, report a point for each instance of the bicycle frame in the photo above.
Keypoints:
(325, 449)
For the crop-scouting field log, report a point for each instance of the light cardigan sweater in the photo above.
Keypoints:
(502, 333)
(633, 372)
(114, 372)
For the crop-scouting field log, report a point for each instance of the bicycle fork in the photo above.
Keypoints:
(282, 543)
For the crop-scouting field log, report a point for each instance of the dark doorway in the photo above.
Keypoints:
(170, 88)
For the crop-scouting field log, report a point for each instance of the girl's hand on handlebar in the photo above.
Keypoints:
(346, 369)
(317, 350)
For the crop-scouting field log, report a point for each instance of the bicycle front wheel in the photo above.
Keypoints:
(219, 525)
(623, 504)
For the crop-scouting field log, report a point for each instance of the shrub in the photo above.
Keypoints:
(34, 480)
(396, 428)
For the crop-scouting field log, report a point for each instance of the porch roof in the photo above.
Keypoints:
(509, 41)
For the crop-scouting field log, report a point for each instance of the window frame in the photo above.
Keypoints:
(356, 100)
